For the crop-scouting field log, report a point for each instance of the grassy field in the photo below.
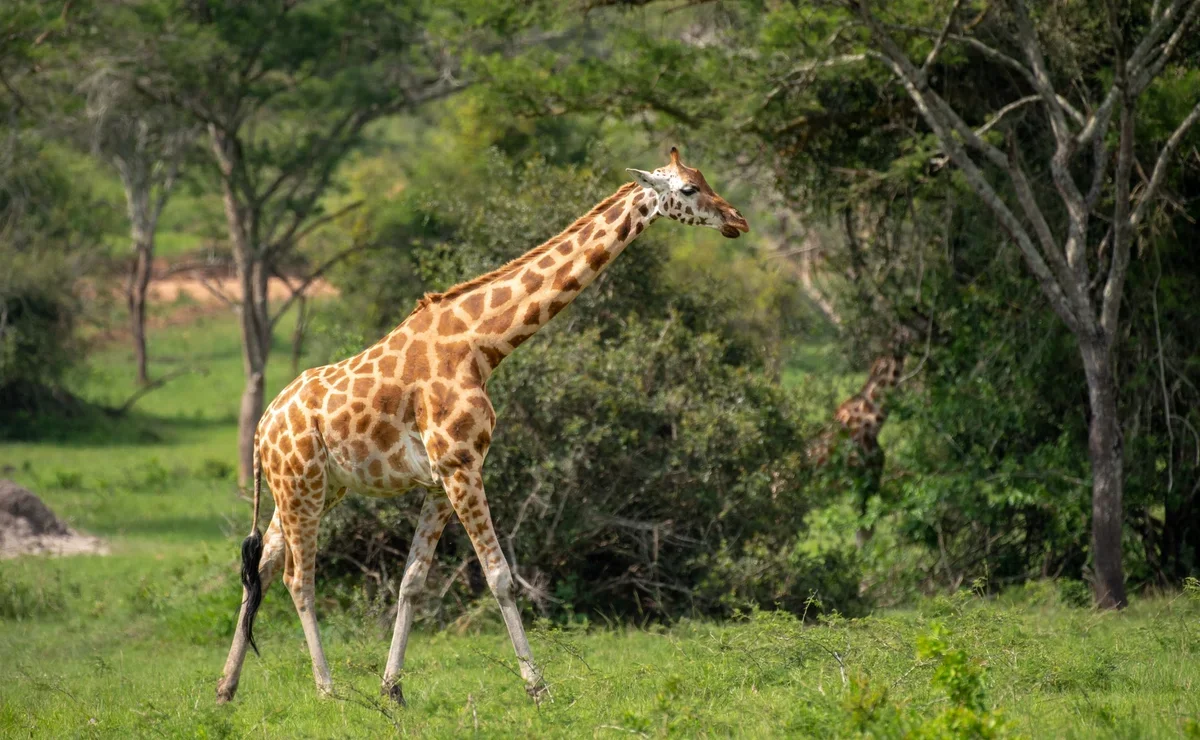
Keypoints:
(132, 644)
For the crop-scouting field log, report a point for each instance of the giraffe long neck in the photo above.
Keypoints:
(522, 298)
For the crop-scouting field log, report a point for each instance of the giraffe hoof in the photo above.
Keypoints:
(225, 692)
(396, 694)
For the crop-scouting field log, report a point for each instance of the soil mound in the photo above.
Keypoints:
(28, 527)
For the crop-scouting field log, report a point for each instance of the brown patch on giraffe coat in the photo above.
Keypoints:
(340, 425)
(533, 315)
(492, 355)
(473, 305)
(473, 376)
(384, 435)
(387, 399)
(420, 321)
(585, 232)
(644, 210)
(441, 402)
(416, 362)
(498, 323)
(359, 450)
(597, 257)
(614, 212)
(623, 229)
(516, 340)
(449, 325)
(564, 280)
(462, 426)
(375, 469)
(450, 356)
(285, 445)
(396, 460)
(531, 280)
(564, 248)
(363, 386)
(387, 366)
(546, 262)
(335, 402)
(482, 441)
(295, 418)
(396, 341)
(481, 402)
(342, 385)
(438, 446)
(376, 351)
(500, 296)
(364, 423)
(638, 229)
(554, 307)
(306, 447)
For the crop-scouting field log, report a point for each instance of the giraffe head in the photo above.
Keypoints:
(684, 195)
(885, 371)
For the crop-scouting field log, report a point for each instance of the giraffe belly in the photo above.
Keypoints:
(403, 467)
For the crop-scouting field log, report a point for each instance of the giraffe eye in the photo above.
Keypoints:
(688, 190)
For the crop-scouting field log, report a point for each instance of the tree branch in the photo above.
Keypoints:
(904, 71)
(941, 38)
(1161, 164)
(313, 276)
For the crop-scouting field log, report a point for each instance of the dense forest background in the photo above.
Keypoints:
(1002, 194)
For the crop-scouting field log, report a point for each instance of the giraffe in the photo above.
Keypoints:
(859, 419)
(412, 412)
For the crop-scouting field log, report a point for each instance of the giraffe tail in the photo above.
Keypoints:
(252, 550)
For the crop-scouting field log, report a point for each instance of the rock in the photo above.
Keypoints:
(21, 503)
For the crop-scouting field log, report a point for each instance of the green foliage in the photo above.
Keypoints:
(50, 239)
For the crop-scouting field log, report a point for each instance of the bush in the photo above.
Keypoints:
(634, 475)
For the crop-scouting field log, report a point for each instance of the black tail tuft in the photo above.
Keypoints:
(252, 549)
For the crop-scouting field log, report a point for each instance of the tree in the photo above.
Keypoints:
(284, 90)
(1080, 269)
(146, 145)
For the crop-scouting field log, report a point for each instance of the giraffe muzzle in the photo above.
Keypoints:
(734, 226)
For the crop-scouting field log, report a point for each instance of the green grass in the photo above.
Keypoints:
(132, 644)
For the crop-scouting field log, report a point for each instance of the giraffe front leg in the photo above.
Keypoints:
(464, 487)
(435, 513)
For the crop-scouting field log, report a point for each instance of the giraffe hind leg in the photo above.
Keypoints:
(269, 566)
(435, 513)
(301, 505)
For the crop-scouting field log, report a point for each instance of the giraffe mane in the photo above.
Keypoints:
(507, 268)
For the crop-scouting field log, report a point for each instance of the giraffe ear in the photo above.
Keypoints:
(649, 180)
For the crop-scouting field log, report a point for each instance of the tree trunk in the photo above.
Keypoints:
(1106, 451)
(256, 346)
(298, 333)
(139, 282)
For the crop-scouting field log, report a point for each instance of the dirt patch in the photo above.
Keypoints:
(168, 289)
(29, 527)
(203, 301)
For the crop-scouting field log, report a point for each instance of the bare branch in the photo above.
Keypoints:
(998, 115)
(941, 38)
(935, 117)
(313, 277)
(1161, 164)
(1040, 77)
(1122, 231)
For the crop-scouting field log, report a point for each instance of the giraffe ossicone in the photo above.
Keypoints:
(412, 411)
